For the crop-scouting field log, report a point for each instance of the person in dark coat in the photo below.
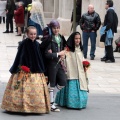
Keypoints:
(27, 91)
(90, 22)
(78, 13)
(10, 7)
(54, 53)
(111, 23)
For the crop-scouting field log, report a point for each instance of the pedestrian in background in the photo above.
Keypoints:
(78, 13)
(19, 18)
(37, 16)
(10, 7)
(90, 23)
(111, 23)
(2, 11)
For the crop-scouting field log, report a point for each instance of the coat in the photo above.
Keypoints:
(10, 7)
(75, 68)
(78, 14)
(110, 21)
(19, 15)
(29, 54)
(89, 22)
(53, 66)
(52, 57)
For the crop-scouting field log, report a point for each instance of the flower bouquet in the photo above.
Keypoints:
(23, 74)
(25, 69)
(86, 65)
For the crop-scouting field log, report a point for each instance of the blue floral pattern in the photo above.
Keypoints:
(71, 96)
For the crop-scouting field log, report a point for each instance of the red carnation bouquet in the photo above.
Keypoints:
(86, 65)
(23, 74)
(25, 69)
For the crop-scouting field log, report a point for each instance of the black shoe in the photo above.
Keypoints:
(54, 108)
(18, 35)
(6, 31)
(10, 31)
(109, 61)
(85, 57)
(115, 50)
(103, 59)
(92, 58)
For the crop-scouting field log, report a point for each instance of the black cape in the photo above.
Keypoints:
(29, 55)
(71, 42)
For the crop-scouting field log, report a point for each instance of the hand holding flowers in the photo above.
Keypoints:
(86, 65)
(62, 54)
(24, 73)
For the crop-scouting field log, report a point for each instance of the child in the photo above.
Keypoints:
(54, 51)
(19, 18)
(28, 93)
(74, 94)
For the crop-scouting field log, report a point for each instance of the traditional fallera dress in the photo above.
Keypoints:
(74, 94)
(27, 92)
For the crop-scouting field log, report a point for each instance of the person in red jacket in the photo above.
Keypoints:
(19, 17)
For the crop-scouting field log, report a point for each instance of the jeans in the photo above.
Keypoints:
(92, 36)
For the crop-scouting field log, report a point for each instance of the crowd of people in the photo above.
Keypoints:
(55, 62)
(90, 23)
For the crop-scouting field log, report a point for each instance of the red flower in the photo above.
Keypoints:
(25, 69)
(67, 48)
(86, 64)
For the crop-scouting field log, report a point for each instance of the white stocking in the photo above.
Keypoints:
(52, 98)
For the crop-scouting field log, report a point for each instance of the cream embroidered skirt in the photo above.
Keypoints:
(26, 93)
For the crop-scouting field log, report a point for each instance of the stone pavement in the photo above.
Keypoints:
(104, 84)
(103, 77)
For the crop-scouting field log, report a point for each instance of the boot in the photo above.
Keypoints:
(116, 49)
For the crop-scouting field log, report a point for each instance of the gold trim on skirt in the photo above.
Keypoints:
(30, 96)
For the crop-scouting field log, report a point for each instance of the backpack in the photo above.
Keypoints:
(47, 32)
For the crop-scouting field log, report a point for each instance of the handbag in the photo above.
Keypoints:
(117, 41)
(103, 37)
